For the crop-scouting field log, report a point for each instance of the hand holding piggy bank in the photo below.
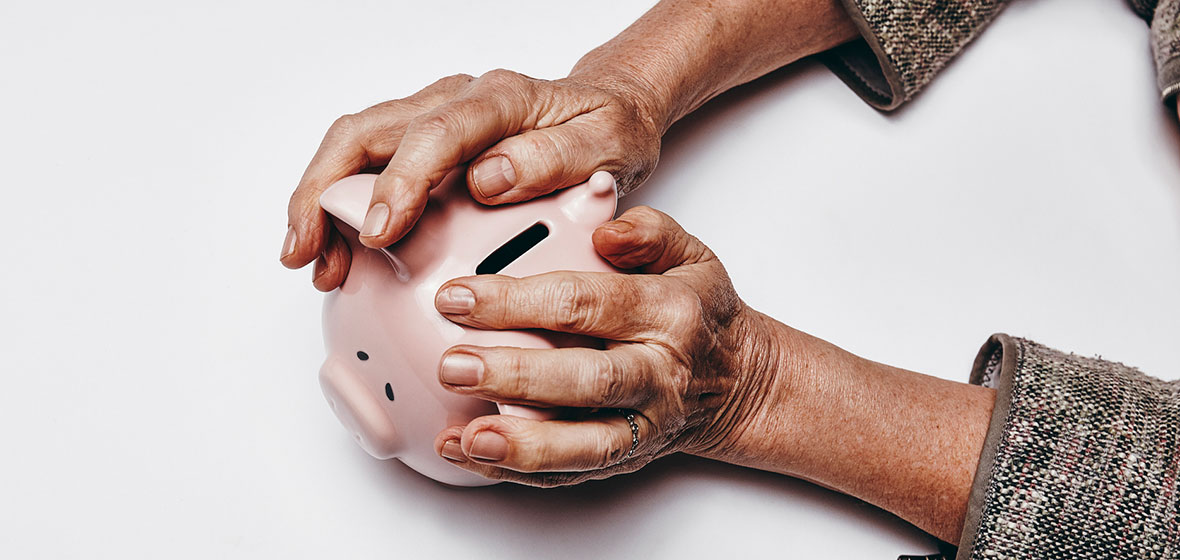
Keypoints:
(384, 337)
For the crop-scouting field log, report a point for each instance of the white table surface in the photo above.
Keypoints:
(159, 394)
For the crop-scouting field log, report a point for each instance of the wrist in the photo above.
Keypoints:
(672, 59)
(682, 53)
(866, 429)
(770, 411)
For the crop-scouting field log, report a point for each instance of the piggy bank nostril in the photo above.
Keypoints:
(361, 355)
(389, 391)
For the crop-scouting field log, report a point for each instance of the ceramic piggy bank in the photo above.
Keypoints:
(383, 336)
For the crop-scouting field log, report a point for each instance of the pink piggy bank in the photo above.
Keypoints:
(383, 336)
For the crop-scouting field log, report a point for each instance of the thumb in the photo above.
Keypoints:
(538, 162)
(650, 240)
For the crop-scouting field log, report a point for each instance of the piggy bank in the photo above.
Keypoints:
(383, 336)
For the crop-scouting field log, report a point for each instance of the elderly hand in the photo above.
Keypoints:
(683, 352)
(524, 137)
(702, 373)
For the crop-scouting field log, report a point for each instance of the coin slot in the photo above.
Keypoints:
(516, 247)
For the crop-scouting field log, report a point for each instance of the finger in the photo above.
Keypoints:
(498, 105)
(599, 304)
(621, 377)
(598, 442)
(538, 162)
(332, 266)
(352, 143)
(449, 446)
(650, 240)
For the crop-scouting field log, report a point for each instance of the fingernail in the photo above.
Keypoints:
(288, 243)
(375, 220)
(455, 300)
(620, 226)
(453, 451)
(493, 176)
(321, 267)
(489, 446)
(461, 369)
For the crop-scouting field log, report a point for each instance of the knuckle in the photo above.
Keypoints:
(645, 214)
(538, 144)
(543, 158)
(500, 76)
(301, 199)
(438, 91)
(456, 79)
(686, 308)
(691, 310)
(607, 382)
(572, 305)
(346, 125)
(506, 375)
(529, 454)
(445, 83)
(506, 300)
(612, 449)
(434, 124)
(633, 291)
(507, 87)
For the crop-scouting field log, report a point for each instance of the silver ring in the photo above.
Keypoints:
(630, 416)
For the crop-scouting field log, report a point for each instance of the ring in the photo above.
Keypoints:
(630, 416)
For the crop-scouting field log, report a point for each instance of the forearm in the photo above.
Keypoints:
(906, 442)
(682, 53)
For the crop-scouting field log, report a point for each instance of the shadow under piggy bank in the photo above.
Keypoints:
(383, 336)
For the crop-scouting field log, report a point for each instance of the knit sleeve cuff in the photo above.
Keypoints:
(905, 44)
(1165, 45)
(993, 368)
(1081, 458)
(868, 73)
(1169, 80)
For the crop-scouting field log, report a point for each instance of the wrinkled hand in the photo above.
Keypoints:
(523, 137)
(682, 352)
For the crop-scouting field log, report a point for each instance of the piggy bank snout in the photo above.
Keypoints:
(359, 409)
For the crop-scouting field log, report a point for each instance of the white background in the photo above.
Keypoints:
(159, 395)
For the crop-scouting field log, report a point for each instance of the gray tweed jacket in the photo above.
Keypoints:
(906, 42)
(1082, 458)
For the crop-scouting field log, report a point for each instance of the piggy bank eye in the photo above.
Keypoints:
(513, 249)
(389, 392)
(361, 355)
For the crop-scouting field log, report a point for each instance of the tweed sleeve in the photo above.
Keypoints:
(1081, 459)
(905, 43)
(1165, 44)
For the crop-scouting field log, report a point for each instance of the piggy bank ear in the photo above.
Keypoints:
(592, 202)
(348, 199)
